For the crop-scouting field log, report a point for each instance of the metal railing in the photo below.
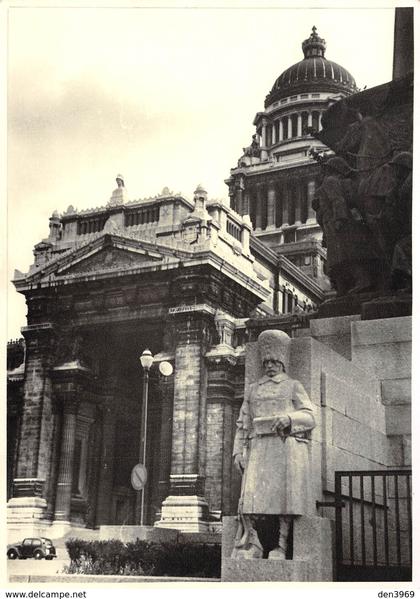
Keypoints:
(373, 524)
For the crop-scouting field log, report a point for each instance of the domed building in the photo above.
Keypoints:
(276, 176)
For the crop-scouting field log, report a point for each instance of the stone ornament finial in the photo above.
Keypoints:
(314, 45)
(274, 345)
(200, 190)
(119, 195)
(70, 210)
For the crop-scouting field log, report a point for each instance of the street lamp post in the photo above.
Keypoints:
(139, 472)
(146, 360)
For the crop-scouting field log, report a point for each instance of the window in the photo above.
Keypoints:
(304, 96)
(307, 260)
(316, 95)
(293, 98)
(304, 122)
(269, 136)
(284, 120)
(294, 125)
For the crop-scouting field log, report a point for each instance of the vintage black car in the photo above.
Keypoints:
(36, 547)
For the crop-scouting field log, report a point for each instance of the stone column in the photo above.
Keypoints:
(51, 483)
(239, 199)
(258, 199)
(70, 380)
(106, 468)
(299, 125)
(264, 153)
(311, 212)
(298, 203)
(232, 197)
(264, 134)
(186, 507)
(245, 206)
(281, 133)
(403, 43)
(285, 219)
(65, 470)
(271, 207)
(35, 444)
(38, 414)
(273, 134)
(220, 424)
(166, 386)
(95, 443)
(309, 118)
(289, 126)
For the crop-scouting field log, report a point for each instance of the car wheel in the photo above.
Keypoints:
(12, 554)
(48, 557)
(38, 554)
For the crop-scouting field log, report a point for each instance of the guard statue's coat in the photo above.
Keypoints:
(277, 474)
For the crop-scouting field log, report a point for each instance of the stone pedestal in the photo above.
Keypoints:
(26, 510)
(25, 517)
(187, 513)
(312, 555)
(369, 305)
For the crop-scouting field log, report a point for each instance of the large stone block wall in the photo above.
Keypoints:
(351, 432)
(383, 349)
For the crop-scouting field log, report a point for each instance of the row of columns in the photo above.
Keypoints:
(272, 205)
(198, 413)
(282, 128)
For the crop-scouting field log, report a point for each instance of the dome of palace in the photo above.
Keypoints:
(313, 73)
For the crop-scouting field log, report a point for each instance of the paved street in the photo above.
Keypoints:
(33, 566)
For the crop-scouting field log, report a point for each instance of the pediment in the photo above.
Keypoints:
(108, 259)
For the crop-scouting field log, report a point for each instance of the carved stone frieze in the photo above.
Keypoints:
(110, 259)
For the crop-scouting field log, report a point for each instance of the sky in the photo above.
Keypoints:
(165, 96)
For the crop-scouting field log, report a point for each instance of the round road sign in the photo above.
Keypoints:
(138, 477)
(166, 368)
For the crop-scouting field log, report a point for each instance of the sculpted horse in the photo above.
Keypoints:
(368, 146)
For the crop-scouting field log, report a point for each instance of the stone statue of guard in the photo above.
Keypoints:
(271, 450)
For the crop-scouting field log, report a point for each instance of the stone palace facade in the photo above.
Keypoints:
(196, 282)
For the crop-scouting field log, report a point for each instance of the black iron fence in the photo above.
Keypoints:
(373, 525)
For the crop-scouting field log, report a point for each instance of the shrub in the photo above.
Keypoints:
(143, 558)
